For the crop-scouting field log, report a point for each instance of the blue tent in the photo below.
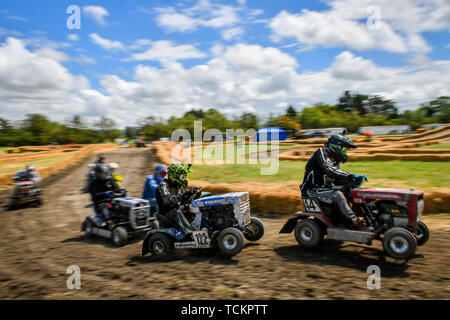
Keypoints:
(270, 134)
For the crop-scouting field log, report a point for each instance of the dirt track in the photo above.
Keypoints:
(38, 244)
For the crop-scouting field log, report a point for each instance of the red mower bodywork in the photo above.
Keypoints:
(387, 214)
(413, 199)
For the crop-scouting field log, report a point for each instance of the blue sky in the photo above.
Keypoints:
(134, 58)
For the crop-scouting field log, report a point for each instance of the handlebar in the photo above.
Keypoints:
(190, 195)
(354, 182)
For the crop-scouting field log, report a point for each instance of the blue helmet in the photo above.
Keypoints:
(161, 168)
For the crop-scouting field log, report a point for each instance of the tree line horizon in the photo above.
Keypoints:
(352, 111)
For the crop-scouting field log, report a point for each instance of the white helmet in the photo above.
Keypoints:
(113, 166)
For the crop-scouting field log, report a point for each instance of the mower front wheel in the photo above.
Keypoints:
(399, 243)
(39, 201)
(230, 241)
(255, 230)
(308, 233)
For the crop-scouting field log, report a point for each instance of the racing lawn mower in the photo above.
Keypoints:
(221, 221)
(26, 192)
(390, 215)
(131, 216)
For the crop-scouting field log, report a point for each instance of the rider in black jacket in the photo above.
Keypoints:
(171, 193)
(102, 191)
(323, 171)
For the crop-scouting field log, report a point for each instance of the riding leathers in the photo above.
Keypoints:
(169, 197)
(321, 173)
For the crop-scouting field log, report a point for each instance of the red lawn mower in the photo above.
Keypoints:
(391, 215)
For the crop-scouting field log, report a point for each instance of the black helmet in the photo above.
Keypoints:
(338, 143)
(102, 171)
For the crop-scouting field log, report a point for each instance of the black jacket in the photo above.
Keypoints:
(323, 171)
(168, 196)
(98, 187)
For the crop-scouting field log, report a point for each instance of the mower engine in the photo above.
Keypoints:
(137, 211)
(394, 207)
(223, 211)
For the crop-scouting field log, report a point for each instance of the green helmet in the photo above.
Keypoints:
(178, 173)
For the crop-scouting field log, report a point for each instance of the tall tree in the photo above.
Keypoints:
(291, 112)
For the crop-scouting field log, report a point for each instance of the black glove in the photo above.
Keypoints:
(186, 195)
(197, 192)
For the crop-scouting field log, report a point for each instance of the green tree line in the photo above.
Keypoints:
(352, 111)
(37, 129)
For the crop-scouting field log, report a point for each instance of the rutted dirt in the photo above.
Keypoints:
(38, 244)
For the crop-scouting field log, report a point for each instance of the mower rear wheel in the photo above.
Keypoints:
(308, 233)
(88, 228)
(399, 243)
(423, 233)
(160, 244)
(12, 205)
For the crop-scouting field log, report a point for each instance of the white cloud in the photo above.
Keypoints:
(177, 22)
(97, 13)
(166, 50)
(6, 32)
(73, 37)
(85, 59)
(106, 43)
(235, 79)
(348, 66)
(344, 24)
(407, 16)
(204, 14)
(52, 54)
(140, 43)
(36, 81)
(222, 16)
(256, 58)
(330, 30)
(232, 33)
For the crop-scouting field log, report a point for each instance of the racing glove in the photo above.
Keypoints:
(359, 180)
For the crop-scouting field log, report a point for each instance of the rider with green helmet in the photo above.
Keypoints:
(170, 194)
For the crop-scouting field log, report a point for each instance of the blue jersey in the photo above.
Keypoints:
(150, 186)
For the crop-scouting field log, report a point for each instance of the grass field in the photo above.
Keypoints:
(414, 174)
(250, 148)
(445, 145)
(15, 166)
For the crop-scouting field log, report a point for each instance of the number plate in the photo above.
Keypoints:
(201, 238)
